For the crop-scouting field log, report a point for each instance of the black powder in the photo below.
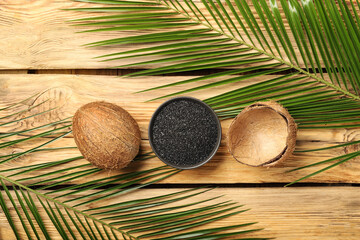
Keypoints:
(184, 132)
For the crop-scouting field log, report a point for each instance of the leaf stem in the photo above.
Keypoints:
(299, 69)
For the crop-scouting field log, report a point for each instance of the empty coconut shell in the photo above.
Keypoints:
(263, 134)
(106, 135)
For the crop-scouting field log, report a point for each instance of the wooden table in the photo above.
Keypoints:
(41, 52)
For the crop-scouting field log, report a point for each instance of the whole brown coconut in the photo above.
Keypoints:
(106, 135)
(263, 134)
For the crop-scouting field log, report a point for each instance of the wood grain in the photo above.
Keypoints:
(68, 92)
(37, 35)
(34, 35)
(311, 213)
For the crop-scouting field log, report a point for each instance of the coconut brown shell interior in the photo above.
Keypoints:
(263, 134)
(106, 135)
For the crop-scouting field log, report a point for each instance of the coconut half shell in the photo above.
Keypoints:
(106, 135)
(263, 134)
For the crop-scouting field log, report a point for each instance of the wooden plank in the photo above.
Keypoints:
(36, 35)
(312, 213)
(68, 92)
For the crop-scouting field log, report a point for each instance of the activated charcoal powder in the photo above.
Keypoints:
(184, 132)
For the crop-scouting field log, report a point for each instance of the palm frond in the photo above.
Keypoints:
(312, 68)
(61, 195)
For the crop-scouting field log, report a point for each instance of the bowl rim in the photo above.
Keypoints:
(161, 106)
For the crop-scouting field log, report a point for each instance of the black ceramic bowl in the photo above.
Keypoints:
(184, 132)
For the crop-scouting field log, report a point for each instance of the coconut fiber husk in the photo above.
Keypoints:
(106, 135)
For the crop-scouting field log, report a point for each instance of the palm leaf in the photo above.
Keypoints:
(312, 69)
(44, 196)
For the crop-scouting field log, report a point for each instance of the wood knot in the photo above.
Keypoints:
(47, 107)
(350, 136)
